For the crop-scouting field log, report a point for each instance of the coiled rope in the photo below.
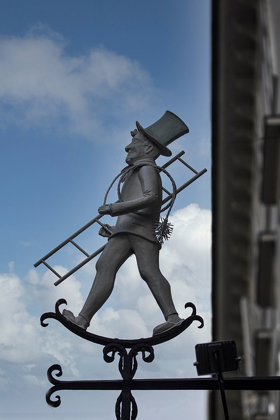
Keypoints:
(163, 229)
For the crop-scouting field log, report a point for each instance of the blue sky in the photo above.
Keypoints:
(75, 76)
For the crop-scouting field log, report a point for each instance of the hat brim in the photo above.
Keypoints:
(163, 149)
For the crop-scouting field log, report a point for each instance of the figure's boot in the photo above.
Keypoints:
(79, 320)
(173, 320)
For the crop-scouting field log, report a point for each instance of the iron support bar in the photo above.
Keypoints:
(256, 383)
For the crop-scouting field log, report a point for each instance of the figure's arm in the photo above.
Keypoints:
(149, 180)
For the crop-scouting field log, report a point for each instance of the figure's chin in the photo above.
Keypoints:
(129, 161)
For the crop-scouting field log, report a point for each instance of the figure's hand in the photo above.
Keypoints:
(104, 232)
(104, 209)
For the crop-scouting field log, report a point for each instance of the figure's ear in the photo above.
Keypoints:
(148, 148)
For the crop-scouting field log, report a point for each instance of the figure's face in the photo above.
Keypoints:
(135, 150)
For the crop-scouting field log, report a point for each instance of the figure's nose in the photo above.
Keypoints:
(127, 148)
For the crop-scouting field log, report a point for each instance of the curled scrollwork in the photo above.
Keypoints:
(51, 402)
(52, 315)
(144, 348)
(194, 316)
(191, 305)
(57, 305)
(51, 369)
(43, 317)
(56, 383)
(46, 316)
(151, 355)
(110, 350)
(200, 319)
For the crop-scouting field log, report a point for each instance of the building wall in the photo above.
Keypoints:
(245, 293)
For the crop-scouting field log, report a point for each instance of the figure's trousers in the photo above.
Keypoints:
(116, 252)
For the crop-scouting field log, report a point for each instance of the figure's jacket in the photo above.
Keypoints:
(139, 209)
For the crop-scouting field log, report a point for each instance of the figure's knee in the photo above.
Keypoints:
(154, 277)
(144, 274)
(101, 264)
(148, 274)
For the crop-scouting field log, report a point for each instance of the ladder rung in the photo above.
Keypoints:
(166, 191)
(173, 159)
(187, 165)
(57, 282)
(50, 268)
(79, 248)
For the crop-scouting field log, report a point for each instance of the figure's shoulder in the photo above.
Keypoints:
(148, 170)
(149, 175)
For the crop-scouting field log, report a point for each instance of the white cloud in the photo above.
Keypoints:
(41, 289)
(121, 323)
(23, 341)
(33, 380)
(11, 265)
(41, 84)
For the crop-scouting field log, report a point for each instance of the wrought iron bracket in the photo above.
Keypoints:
(127, 350)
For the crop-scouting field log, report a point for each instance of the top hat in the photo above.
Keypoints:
(164, 131)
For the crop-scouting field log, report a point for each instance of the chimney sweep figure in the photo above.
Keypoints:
(138, 229)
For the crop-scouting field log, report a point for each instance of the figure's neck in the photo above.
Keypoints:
(144, 160)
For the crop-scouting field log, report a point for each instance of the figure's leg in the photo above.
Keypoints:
(147, 256)
(116, 252)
